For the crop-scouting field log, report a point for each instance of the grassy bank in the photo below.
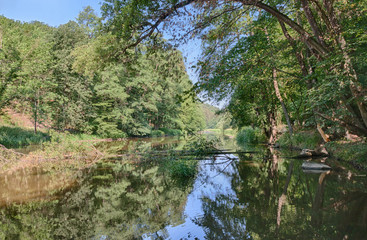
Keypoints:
(352, 152)
(56, 152)
(15, 137)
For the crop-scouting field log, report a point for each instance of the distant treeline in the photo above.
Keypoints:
(78, 77)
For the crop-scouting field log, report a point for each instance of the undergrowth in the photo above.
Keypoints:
(349, 151)
(302, 140)
(249, 135)
(15, 137)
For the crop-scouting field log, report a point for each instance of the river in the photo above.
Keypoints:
(264, 195)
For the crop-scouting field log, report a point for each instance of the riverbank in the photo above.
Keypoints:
(59, 152)
(352, 152)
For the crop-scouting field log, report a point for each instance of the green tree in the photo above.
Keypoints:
(323, 48)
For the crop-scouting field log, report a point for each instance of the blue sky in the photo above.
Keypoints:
(51, 12)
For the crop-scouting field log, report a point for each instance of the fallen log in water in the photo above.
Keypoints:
(180, 153)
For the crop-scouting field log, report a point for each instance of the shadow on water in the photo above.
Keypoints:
(245, 196)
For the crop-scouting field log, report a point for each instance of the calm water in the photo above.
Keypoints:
(246, 196)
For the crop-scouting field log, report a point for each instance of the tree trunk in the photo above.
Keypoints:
(279, 96)
(35, 115)
(272, 129)
(354, 85)
(311, 20)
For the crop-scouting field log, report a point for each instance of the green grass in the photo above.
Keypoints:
(181, 168)
(302, 140)
(15, 137)
(349, 151)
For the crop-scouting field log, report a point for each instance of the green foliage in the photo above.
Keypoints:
(184, 167)
(200, 145)
(157, 133)
(354, 152)
(77, 77)
(171, 132)
(211, 115)
(302, 140)
(15, 137)
(249, 135)
(181, 169)
(191, 118)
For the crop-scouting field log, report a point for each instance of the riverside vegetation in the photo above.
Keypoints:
(286, 73)
(298, 63)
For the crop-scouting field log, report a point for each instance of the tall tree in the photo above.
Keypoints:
(314, 25)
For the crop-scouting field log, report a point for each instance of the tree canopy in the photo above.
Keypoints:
(298, 59)
(77, 77)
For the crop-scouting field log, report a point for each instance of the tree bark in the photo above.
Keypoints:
(311, 20)
(279, 96)
(35, 115)
(272, 129)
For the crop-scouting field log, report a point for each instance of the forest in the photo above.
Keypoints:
(75, 78)
(300, 63)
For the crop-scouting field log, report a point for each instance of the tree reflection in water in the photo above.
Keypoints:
(115, 201)
(274, 199)
(254, 196)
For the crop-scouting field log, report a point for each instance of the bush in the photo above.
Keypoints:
(249, 135)
(182, 168)
(303, 140)
(171, 132)
(156, 133)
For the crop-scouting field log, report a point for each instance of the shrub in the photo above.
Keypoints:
(171, 132)
(309, 140)
(156, 133)
(249, 135)
(182, 168)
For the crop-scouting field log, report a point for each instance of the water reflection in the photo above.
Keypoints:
(27, 185)
(250, 196)
(275, 200)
